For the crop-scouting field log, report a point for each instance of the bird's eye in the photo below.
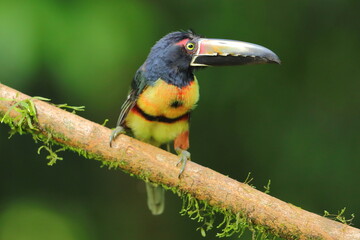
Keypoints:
(190, 46)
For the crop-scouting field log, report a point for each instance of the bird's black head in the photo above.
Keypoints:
(170, 58)
(175, 56)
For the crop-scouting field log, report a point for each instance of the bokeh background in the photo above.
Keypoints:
(297, 124)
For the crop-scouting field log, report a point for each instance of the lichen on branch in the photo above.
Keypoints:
(26, 121)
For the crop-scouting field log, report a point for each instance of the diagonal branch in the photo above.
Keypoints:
(158, 166)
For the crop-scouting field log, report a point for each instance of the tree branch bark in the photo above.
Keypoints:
(283, 219)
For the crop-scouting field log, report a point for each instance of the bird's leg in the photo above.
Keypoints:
(181, 144)
(184, 156)
(118, 130)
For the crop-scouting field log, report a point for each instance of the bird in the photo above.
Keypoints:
(164, 92)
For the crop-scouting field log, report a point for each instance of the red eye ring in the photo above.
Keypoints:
(189, 45)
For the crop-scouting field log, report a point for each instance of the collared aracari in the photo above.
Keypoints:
(164, 91)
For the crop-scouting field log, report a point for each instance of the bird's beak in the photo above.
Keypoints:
(221, 52)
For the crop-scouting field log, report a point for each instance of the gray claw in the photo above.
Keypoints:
(115, 133)
(184, 156)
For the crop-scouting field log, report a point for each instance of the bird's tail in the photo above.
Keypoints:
(155, 198)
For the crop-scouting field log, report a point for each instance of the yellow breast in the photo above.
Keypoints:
(163, 99)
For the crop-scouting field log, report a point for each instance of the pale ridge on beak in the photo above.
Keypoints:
(222, 52)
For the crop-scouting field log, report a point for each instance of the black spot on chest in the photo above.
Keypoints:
(176, 104)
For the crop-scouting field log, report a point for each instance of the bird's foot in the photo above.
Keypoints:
(118, 130)
(184, 156)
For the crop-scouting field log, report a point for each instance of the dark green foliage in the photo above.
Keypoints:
(297, 124)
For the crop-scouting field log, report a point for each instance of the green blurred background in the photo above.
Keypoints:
(297, 124)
